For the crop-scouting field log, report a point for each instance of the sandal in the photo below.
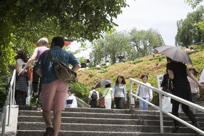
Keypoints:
(49, 131)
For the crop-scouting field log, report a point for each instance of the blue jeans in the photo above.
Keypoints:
(143, 105)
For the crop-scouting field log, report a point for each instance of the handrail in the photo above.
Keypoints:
(10, 100)
(183, 101)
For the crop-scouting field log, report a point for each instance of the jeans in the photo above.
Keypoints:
(143, 105)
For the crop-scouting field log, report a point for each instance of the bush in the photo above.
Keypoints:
(80, 90)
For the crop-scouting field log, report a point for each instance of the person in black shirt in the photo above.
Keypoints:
(178, 73)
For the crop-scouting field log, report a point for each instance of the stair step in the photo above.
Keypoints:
(81, 114)
(99, 133)
(101, 121)
(100, 127)
(107, 115)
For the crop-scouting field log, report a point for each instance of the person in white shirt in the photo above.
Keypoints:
(108, 96)
(144, 92)
(93, 98)
(71, 101)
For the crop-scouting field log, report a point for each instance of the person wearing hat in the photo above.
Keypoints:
(42, 44)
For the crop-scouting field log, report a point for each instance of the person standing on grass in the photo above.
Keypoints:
(119, 92)
(144, 92)
(54, 91)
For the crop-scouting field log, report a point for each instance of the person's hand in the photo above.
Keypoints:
(22, 71)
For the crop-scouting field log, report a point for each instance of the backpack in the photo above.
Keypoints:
(62, 71)
(94, 96)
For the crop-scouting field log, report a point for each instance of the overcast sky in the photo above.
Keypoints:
(160, 15)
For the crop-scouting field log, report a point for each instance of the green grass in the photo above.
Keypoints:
(152, 65)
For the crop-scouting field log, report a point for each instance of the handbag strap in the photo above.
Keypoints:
(106, 93)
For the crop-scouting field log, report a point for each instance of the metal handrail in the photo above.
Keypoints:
(10, 100)
(160, 92)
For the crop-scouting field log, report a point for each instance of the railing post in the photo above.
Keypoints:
(161, 114)
(131, 97)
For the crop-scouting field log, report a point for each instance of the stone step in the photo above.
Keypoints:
(102, 110)
(123, 111)
(100, 127)
(107, 115)
(98, 110)
(99, 133)
(100, 121)
(80, 114)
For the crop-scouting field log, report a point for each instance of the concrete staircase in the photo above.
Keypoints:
(102, 122)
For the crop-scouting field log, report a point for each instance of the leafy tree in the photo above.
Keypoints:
(76, 19)
(126, 46)
(194, 3)
(188, 32)
(25, 21)
(144, 41)
(110, 48)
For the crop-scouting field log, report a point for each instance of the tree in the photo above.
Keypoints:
(110, 48)
(25, 21)
(120, 46)
(144, 41)
(187, 31)
(194, 3)
(76, 19)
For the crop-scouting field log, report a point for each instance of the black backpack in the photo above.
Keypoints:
(94, 96)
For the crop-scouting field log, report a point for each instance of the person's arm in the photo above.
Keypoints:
(171, 74)
(114, 91)
(97, 95)
(192, 77)
(74, 62)
(150, 93)
(32, 58)
(76, 67)
(137, 91)
(125, 92)
(90, 93)
(75, 103)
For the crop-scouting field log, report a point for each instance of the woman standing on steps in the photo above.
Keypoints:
(108, 95)
(144, 92)
(119, 92)
(21, 79)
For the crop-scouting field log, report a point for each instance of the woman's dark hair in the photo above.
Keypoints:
(57, 41)
(123, 80)
(108, 86)
(21, 55)
(143, 76)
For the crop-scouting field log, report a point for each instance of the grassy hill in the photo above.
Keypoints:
(153, 65)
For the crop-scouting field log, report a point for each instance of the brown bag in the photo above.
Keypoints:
(62, 71)
(102, 102)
